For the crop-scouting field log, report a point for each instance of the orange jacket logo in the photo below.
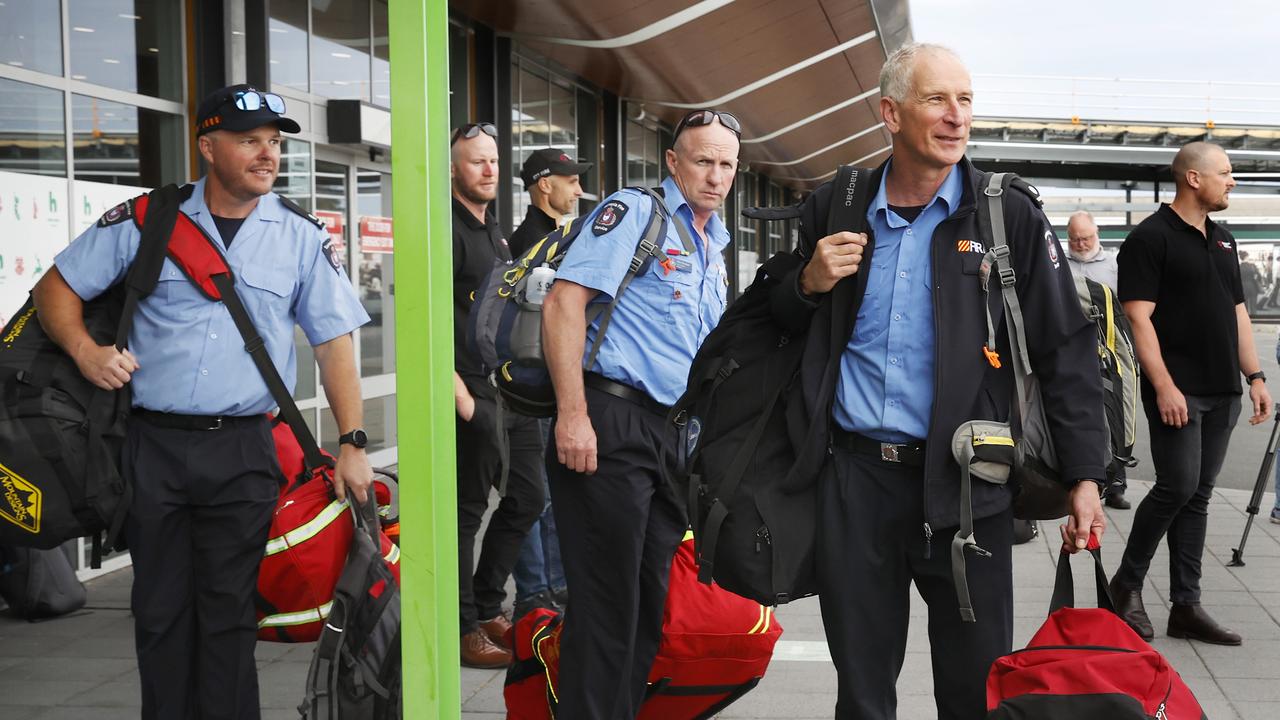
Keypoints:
(969, 246)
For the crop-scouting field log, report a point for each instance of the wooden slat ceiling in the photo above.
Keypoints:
(718, 53)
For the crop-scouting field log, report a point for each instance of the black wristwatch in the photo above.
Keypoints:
(1256, 376)
(356, 438)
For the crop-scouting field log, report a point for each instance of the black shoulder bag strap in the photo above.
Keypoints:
(144, 273)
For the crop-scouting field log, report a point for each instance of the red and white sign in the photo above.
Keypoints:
(333, 226)
(376, 235)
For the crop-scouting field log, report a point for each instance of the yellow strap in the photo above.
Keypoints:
(301, 617)
(688, 535)
(1111, 320)
(992, 440)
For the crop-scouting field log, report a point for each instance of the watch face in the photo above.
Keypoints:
(360, 438)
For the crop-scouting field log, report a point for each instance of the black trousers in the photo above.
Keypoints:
(619, 529)
(482, 585)
(202, 507)
(871, 547)
(1187, 461)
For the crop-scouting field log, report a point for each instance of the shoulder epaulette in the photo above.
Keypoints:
(298, 210)
(1027, 189)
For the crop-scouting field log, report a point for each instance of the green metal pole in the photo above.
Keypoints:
(422, 208)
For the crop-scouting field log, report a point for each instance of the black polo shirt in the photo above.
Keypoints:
(1194, 281)
(476, 247)
(536, 225)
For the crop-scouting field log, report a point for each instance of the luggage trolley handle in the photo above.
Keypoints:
(1064, 583)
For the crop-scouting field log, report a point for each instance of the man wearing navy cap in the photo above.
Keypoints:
(551, 178)
(199, 448)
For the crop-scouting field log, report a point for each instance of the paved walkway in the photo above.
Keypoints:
(82, 666)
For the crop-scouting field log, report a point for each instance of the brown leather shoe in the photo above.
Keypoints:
(1193, 623)
(1130, 609)
(1116, 501)
(478, 651)
(496, 630)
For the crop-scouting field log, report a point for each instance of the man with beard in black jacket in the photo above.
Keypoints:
(896, 331)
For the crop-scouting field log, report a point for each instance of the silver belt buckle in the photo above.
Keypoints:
(217, 424)
(889, 452)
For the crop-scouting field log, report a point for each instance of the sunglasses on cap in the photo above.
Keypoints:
(471, 130)
(698, 118)
(251, 100)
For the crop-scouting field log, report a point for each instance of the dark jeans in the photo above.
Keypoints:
(480, 593)
(196, 530)
(1187, 461)
(539, 568)
(871, 548)
(619, 530)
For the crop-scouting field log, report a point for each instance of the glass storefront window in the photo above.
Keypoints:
(130, 45)
(340, 44)
(642, 155)
(544, 114)
(31, 35)
(380, 422)
(376, 272)
(32, 129)
(287, 38)
(294, 180)
(125, 144)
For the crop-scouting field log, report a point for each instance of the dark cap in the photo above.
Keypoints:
(219, 111)
(549, 161)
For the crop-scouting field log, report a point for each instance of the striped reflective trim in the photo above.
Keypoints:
(301, 617)
(393, 555)
(307, 530)
(762, 625)
(688, 535)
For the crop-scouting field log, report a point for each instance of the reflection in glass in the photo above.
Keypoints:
(642, 154)
(32, 129)
(381, 55)
(130, 45)
(340, 45)
(294, 180)
(31, 35)
(287, 41)
(376, 281)
(125, 144)
(543, 114)
(380, 422)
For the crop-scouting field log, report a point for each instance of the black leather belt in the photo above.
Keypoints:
(178, 421)
(625, 392)
(911, 453)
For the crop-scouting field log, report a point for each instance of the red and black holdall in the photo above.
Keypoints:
(1087, 663)
(715, 648)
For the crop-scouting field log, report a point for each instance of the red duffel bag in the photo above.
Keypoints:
(307, 545)
(1086, 663)
(715, 648)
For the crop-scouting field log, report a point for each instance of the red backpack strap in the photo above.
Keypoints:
(191, 249)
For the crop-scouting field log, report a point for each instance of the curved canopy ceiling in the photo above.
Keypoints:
(801, 75)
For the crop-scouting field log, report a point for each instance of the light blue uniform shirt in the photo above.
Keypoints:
(663, 316)
(191, 358)
(886, 373)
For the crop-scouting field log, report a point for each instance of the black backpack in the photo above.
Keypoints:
(505, 330)
(741, 428)
(355, 673)
(61, 436)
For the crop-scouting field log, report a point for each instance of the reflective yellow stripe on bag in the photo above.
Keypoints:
(301, 617)
(307, 530)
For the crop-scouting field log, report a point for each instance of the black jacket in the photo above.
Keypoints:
(536, 225)
(1061, 342)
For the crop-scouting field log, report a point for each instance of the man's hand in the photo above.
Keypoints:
(1262, 404)
(105, 366)
(463, 401)
(1173, 406)
(834, 258)
(352, 472)
(576, 442)
(1086, 517)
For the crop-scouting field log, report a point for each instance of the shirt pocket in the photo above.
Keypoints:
(267, 292)
(677, 288)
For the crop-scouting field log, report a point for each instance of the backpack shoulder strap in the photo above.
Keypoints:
(991, 224)
(850, 196)
(156, 214)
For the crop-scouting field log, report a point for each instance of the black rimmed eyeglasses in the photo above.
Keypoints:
(471, 130)
(698, 118)
(251, 100)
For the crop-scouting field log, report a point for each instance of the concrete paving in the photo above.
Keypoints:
(82, 666)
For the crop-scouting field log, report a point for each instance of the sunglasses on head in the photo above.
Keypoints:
(698, 118)
(471, 130)
(251, 100)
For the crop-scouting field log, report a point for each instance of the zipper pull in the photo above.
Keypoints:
(928, 541)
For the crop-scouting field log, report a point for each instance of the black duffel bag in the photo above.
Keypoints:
(61, 436)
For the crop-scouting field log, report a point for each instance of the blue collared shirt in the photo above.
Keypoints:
(664, 315)
(191, 358)
(886, 373)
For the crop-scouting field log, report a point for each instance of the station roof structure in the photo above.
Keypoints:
(802, 76)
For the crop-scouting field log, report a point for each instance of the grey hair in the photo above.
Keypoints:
(899, 67)
(1082, 215)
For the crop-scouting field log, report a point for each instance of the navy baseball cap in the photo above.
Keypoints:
(242, 107)
(550, 161)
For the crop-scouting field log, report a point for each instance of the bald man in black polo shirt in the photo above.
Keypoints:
(1180, 286)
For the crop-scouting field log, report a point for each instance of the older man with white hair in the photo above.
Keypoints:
(1085, 254)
